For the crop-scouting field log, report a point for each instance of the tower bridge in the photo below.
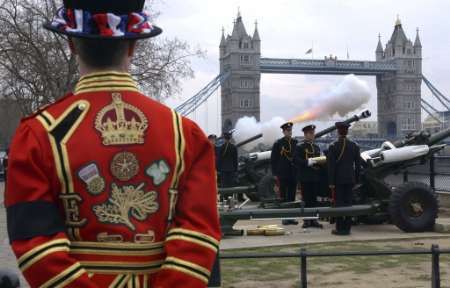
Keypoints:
(397, 68)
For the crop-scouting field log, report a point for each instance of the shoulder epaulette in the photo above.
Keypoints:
(45, 107)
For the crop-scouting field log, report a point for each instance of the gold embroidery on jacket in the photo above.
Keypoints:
(126, 202)
(121, 123)
(61, 158)
(124, 166)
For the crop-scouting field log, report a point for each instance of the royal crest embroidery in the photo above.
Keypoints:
(121, 123)
(124, 166)
(158, 171)
(125, 203)
(90, 175)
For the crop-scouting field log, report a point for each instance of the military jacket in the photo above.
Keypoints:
(108, 188)
(227, 158)
(282, 158)
(303, 152)
(344, 162)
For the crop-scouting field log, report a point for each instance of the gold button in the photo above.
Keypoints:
(81, 106)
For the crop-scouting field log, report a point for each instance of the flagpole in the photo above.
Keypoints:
(312, 47)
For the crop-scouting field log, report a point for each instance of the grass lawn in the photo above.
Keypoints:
(355, 271)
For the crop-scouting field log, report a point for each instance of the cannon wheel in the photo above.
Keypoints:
(413, 207)
(266, 188)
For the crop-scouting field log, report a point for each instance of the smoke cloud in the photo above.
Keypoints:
(347, 96)
(247, 127)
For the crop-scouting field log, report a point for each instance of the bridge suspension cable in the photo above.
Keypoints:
(436, 93)
(198, 99)
(426, 106)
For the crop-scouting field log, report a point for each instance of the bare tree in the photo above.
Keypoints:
(37, 67)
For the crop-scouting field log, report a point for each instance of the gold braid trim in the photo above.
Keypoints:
(342, 150)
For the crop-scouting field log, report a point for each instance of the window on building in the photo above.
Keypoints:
(245, 103)
(245, 45)
(246, 84)
(245, 59)
(408, 123)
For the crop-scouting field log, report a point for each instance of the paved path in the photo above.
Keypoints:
(7, 258)
(297, 235)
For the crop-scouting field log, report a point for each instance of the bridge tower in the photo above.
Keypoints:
(399, 94)
(240, 54)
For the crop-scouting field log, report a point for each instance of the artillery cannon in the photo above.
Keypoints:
(411, 206)
(254, 169)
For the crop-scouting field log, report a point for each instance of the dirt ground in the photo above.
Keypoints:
(339, 272)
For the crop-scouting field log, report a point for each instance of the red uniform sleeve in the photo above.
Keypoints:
(193, 238)
(35, 226)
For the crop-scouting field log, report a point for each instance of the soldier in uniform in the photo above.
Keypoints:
(308, 172)
(343, 172)
(227, 161)
(107, 187)
(283, 167)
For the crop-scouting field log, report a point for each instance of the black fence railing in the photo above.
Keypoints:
(435, 172)
(303, 256)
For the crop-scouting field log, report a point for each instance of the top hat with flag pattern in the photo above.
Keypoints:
(103, 19)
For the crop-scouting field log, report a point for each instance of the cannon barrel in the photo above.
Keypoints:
(225, 192)
(363, 115)
(423, 138)
(439, 136)
(354, 210)
(251, 139)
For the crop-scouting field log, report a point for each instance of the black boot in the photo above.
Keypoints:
(316, 224)
(306, 224)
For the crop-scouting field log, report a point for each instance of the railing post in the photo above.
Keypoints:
(432, 173)
(303, 269)
(435, 273)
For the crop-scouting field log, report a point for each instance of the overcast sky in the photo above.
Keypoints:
(289, 27)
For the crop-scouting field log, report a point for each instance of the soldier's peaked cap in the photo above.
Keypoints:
(309, 128)
(287, 125)
(101, 19)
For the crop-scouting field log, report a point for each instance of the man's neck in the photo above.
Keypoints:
(84, 72)
(85, 69)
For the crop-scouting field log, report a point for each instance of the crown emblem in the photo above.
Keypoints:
(121, 123)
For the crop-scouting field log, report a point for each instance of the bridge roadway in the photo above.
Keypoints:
(328, 66)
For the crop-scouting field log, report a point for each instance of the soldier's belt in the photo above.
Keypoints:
(116, 258)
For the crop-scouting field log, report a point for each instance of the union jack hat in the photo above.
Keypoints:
(103, 19)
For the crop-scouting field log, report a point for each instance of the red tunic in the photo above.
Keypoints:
(108, 188)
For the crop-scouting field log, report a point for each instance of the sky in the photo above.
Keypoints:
(288, 28)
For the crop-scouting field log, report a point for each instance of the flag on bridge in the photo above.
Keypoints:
(309, 51)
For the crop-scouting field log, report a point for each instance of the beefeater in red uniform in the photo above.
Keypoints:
(108, 188)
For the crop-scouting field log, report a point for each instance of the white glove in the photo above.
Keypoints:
(311, 162)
